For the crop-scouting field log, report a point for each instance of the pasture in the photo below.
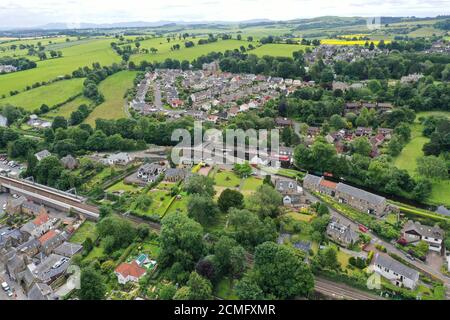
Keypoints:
(113, 89)
(50, 95)
(277, 50)
(66, 109)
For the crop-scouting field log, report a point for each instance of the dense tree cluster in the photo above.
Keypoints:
(20, 63)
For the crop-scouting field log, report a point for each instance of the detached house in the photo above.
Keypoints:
(414, 232)
(395, 272)
(126, 272)
(292, 193)
(341, 234)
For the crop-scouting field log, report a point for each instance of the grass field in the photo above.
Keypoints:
(120, 186)
(184, 53)
(96, 50)
(413, 150)
(278, 50)
(227, 179)
(66, 109)
(51, 94)
(113, 89)
(87, 230)
(349, 42)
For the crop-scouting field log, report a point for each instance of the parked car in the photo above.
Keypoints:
(9, 293)
(5, 286)
(15, 196)
(363, 228)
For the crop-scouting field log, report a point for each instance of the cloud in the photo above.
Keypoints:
(29, 13)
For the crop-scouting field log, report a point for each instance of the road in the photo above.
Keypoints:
(15, 287)
(390, 247)
(342, 291)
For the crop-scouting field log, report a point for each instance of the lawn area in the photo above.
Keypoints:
(51, 94)
(113, 88)
(300, 216)
(71, 106)
(179, 204)
(250, 184)
(440, 193)
(84, 54)
(226, 179)
(184, 53)
(278, 50)
(124, 187)
(86, 230)
(161, 200)
(150, 248)
(412, 151)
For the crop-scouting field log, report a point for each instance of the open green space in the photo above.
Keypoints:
(121, 186)
(86, 230)
(50, 95)
(277, 50)
(66, 109)
(113, 89)
(227, 179)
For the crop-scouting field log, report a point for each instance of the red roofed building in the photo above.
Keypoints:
(47, 236)
(176, 103)
(41, 219)
(327, 187)
(129, 272)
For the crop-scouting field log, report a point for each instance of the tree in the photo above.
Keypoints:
(143, 202)
(266, 201)
(104, 211)
(230, 256)
(59, 122)
(248, 289)
(337, 122)
(362, 146)
(281, 271)
(181, 241)
(322, 209)
(327, 259)
(200, 288)
(92, 285)
(432, 167)
(167, 291)
(201, 185)
(119, 233)
(230, 199)
(202, 208)
(243, 170)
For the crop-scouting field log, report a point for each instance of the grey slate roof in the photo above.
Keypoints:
(311, 179)
(68, 249)
(360, 194)
(423, 230)
(395, 266)
(40, 291)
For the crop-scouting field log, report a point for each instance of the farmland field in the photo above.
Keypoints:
(184, 53)
(277, 50)
(113, 89)
(66, 109)
(51, 94)
(349, 42)
(73, 57)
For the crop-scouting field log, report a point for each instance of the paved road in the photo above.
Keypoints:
(157, 101)
(390, 247)
(342, 291)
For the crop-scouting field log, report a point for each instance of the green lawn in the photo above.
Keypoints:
(300, 216)
(224, 289)
(66, 109)
(124, 187)
(227, 179)
(84, 54)
(86, 230)
(51, 94)
(113, 88)
(179, 204)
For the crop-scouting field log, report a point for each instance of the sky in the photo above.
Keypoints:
(31, 13)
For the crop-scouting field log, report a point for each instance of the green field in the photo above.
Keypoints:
(96, 50)
(66, 109)
(86, 230)
(51, 94)
(277, 50)
(184, 53)
(413, 150)
(113, 89)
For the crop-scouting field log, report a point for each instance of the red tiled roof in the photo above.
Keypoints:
(130, 269)
(328, 184)
(47, 236)
(41, 219)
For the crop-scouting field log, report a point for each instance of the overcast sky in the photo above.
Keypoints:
(29, 13)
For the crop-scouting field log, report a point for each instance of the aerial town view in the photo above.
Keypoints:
(187, 151)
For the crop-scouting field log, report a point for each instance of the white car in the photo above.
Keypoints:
(4, 206)
(9, 293)
(15, 196)
(5, 286)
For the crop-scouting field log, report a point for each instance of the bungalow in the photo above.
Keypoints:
(362, 131)
(120, 158)
(341, 234)
(395, 272)
(414, 232)
(126, 272)
(42, 155)
(283, 122)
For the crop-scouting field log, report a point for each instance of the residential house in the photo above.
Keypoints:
(11, 237)
(361, 199)
(327, 187)
(51, 239)
(31, 208)
(41, 291)
(42, 155)
(69, 162)
(283, 122)
(362, 131)
(413, 232)
(40, 225)
(120, 158)
(126, 272)
(68, 249)
(396, 272)
(340, 233)
(49, 269)
(14, 264)
(313, 131)
(175, 174)
(292, 193)
(386, 132)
